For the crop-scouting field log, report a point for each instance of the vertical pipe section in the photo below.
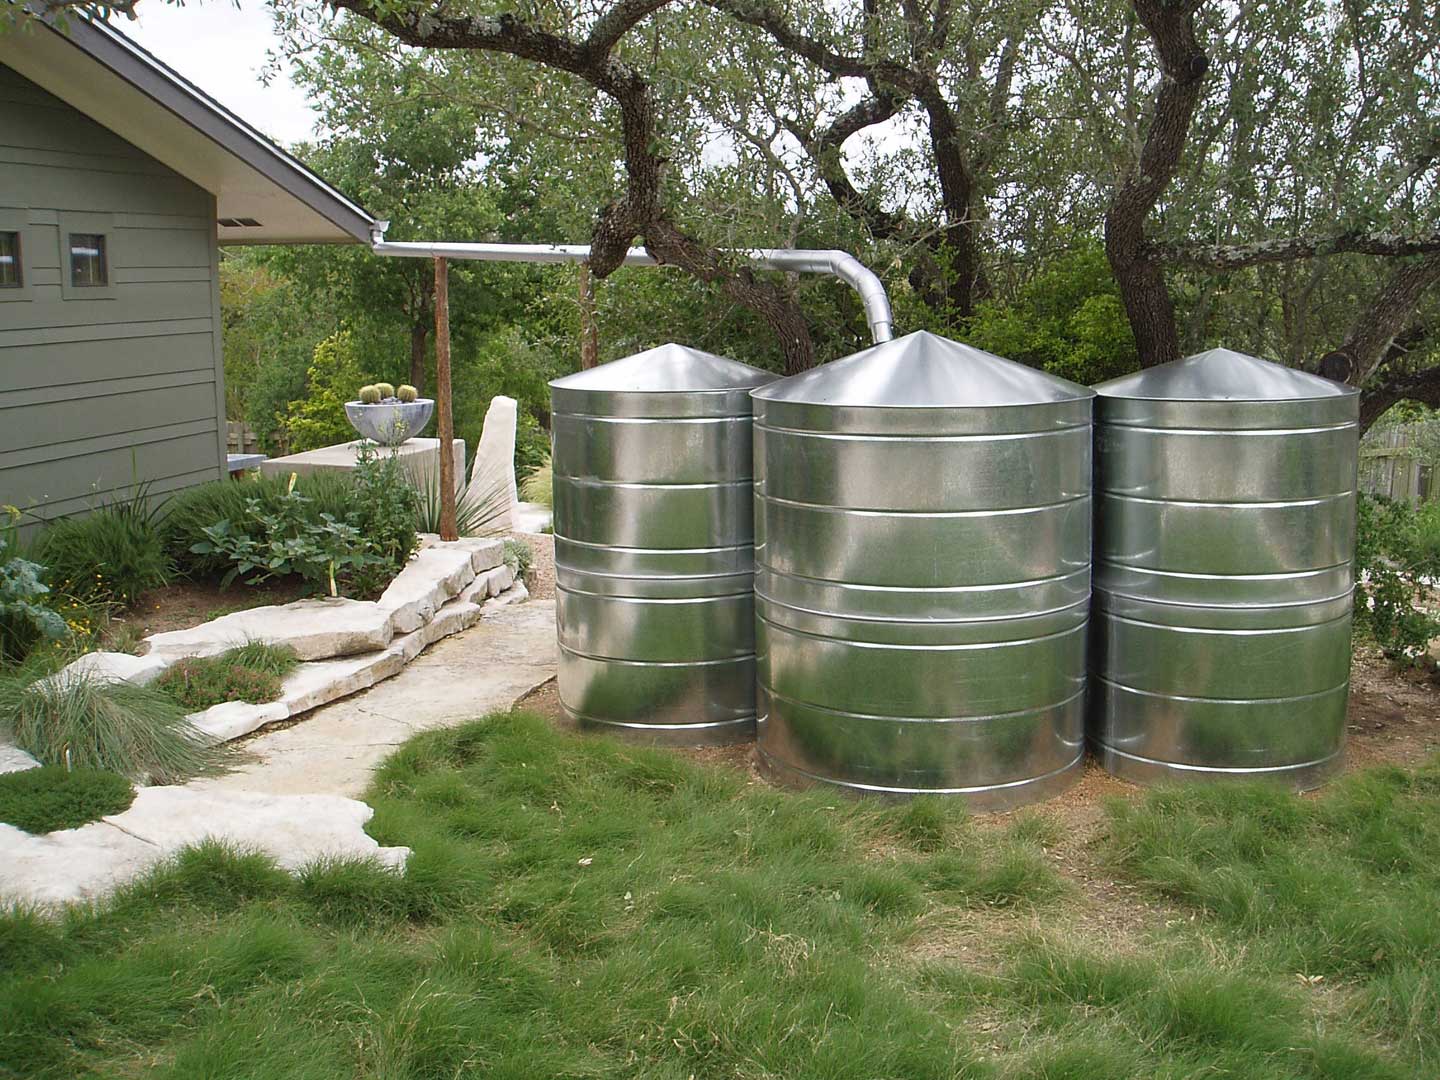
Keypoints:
(448, 529)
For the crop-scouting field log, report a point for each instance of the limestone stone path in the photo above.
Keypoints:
(294, 794)
(334, 749)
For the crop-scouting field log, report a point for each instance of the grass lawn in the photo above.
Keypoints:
(578, 908)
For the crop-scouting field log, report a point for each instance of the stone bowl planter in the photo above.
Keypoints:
(390, 423)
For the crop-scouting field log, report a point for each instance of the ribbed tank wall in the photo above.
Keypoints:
(923, 574)
(1225, 540)
(654, 563)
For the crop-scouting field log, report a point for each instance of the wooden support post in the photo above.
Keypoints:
(442, 400)
(589, 332)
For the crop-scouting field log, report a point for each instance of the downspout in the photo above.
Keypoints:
(839, 264)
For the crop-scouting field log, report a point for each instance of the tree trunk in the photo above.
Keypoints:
(419, 334)
(1137, 269)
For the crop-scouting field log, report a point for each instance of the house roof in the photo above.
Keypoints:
(263, 194)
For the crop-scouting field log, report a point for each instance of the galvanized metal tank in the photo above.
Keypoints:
(654, 557)
(1225, 540)
(923, 573)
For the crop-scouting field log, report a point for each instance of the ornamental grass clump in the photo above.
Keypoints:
(50, 797)
(81, 720)
(109, 556)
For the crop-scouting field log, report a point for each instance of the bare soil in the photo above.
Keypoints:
(541, 579)
(183, 604)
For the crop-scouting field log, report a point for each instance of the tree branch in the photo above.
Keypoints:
(1287, 249)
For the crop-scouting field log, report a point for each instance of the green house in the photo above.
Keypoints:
(119, 183)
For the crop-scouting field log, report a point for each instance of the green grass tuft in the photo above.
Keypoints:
(1341, 887)
(49, 798)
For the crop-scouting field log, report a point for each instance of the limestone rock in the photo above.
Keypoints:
(13, 759)
(117, 667)
(499, 579)
(315, 629)
(86, 863)
(433, 576)
(232, 719)
(492, 473)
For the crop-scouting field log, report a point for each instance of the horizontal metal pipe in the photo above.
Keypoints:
(838, 264)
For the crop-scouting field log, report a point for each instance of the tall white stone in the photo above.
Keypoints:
(492, 475)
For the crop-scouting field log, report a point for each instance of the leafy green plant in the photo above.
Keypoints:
(538, 487)
(252, 672)
(50, 797)
(110, 555)
(83, 721)
(24, 617)
(358, 550)
(192, 511)
(518, 556)
(1397, 556)
(385, 510)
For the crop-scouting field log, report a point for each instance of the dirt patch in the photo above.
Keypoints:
(1394, 715)
(541, 579)
(184, 604)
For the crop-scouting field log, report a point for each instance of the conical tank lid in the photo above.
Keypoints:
(666, 369)
(1223, 375)
(923, 371)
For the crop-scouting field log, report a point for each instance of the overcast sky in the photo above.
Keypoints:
(222, 50)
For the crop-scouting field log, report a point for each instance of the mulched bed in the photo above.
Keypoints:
(184, 604)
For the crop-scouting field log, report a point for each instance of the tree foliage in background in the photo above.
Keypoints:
(1397, 560)
(1263, 176)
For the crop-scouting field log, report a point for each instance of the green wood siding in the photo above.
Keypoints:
(98, 393)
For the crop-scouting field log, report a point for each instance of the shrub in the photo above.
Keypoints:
(1397, 555)
(194, 510)
(24, 617)
(538, 487)
(385, 511)
(518, 557)
(49, 798)
(252, 673)
(87, 722)
(110, 556)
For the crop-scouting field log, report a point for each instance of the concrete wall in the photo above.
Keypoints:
(103, 388)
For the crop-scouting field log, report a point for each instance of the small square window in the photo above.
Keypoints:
(88, 266)
(11, 274)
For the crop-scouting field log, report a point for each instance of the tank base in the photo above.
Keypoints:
(1304, 776)
(986, 799)
(719, 733)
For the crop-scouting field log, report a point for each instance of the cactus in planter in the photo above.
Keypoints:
(407, 393)
(370, 395)
(387, 390)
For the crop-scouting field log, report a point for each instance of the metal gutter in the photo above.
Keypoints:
(838, 264)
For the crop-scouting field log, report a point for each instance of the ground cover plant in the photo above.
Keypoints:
(50, 797)
(251, 672)
(1340, 888)
(579, 908)
(77, 720)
